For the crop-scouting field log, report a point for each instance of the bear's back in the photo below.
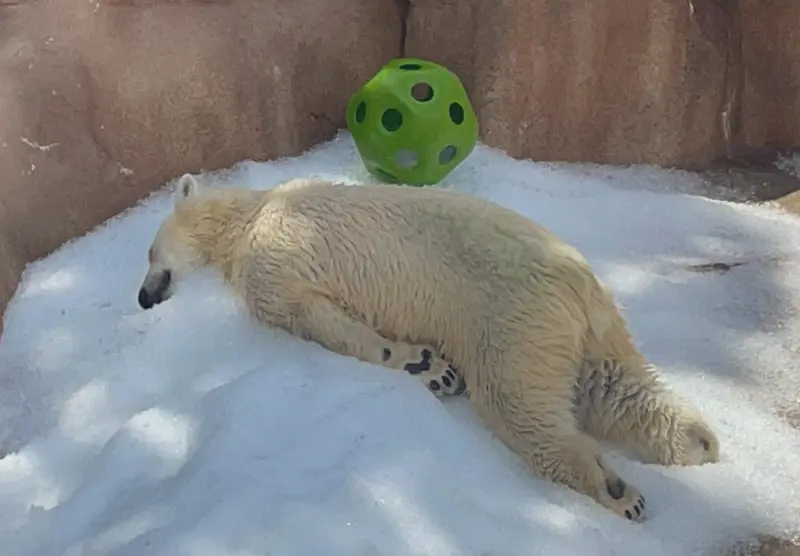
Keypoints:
(455, 228)
(420, 263)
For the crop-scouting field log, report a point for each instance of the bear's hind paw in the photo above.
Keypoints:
(623, 499)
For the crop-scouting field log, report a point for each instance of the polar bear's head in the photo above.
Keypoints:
(177, 249)
(695, 442)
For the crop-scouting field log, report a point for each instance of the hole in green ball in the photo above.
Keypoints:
(447, 154)
(456, 113)
(361, 112)
(391, 120)
(406, 159)
(410, 67)
(422, 92)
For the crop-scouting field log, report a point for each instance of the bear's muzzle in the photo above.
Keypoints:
(154, 289)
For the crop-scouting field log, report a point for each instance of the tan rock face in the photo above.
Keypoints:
(771, 74)
(102, 101)
(619, 81)
(622, 81)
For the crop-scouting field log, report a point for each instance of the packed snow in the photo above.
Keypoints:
(188, 430)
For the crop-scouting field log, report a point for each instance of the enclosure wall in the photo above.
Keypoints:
(102, 101)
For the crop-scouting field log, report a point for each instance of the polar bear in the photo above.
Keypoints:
(465, 289)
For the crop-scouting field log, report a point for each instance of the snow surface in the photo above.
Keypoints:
(189, 430)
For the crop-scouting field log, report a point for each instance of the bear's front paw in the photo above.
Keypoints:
(443, 379)
(439, 376)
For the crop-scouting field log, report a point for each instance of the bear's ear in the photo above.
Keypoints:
(187, 187)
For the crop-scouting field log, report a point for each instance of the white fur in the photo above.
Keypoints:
(382, 273)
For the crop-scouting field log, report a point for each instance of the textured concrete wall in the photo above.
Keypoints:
(100, 102)
(770, 47)
(675, 83)
(619, 81)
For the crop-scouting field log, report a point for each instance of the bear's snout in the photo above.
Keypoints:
(144, 299)
(150, 296)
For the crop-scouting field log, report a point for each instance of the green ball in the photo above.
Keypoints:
(412, 122)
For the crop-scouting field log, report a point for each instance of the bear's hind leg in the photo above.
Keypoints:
(523, 389)
(573, 459)
(323, 322)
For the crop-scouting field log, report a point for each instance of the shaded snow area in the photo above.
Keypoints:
(188, 430)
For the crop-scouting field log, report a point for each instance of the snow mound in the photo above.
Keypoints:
(188, 430)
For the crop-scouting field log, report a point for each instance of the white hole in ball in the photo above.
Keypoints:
(406, 159)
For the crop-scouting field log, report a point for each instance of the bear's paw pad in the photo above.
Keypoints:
(624, 499)
(444, 382)
(439, 376)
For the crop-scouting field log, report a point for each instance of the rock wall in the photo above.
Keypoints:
(673, 83)
(618, 81)
(103, 100)
(770, 82)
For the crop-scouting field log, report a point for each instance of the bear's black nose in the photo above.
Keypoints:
(154, 296)
(144, 299)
